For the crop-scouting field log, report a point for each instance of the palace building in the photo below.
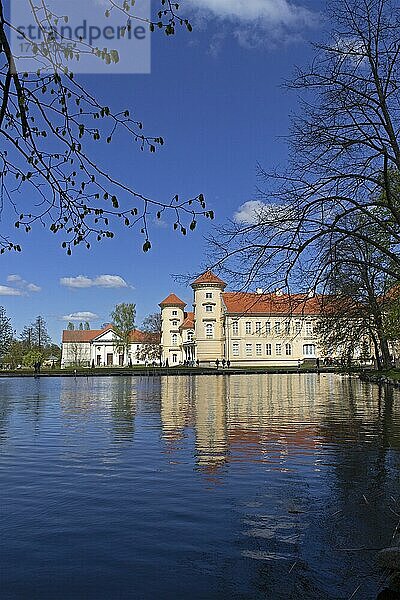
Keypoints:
(239, 328)
(243, 328)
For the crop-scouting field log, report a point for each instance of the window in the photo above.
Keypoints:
(174, 323)
(209, 308)
(309, 329)
(235, 348)
(174, 358)
(278, 349)
(209, 330)
(249, 349)
(267, 327)
(235, 328)
(287, 327)
(309, 350)
(174, 313)
(268, 349)
(174, 339)
(297, 326)
(277, 327)
(288, 349)
(258, 350)
(190, 336)
(248, 327)
(208, 295)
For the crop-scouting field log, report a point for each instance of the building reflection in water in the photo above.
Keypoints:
(266, 418)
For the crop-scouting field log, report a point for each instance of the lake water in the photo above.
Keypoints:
(257, 486)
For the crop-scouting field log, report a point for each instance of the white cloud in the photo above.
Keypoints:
(5, 290)
(84, 315)
(256, 212)
(31, 287)
(250, 212)
(20, 287)
(257, 22)
(105, 281)
(14, 278)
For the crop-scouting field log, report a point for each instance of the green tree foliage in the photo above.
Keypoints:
(15, 354)
(33, 357)
(49, 121)
(123, 318)
(6, 333)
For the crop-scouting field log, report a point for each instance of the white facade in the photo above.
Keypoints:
(100, 349)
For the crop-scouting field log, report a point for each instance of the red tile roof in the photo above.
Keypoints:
(188, 323)
(208, 277)
(172, 300)
(77, 335)
(272, 304)
(136, 336)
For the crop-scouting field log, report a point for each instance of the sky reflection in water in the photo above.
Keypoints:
(261, 486)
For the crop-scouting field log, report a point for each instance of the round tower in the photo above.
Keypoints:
(172, 317)
(209, 318)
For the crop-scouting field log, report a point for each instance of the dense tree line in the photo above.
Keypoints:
(32, 347)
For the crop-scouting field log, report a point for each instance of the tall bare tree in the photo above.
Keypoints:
(151, 348)
(344, 159)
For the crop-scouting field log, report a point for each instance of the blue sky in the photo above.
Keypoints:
(215, 96)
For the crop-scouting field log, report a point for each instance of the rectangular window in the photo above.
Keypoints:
(297, 326)
(287, 327)
(258, 327)
(208, 295)
(190, 336)
(288, 349)
(268, 349)
(174, 313)
(174, 339)
(268, 327)
(278, 349)
(309, 350)
(235, 348)
(248, 327)
(249, 349)
(258, 349)
(235, 328)
(174, 323)
(309, 329)
(209, 308)
(209, 330)
(277, 327)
